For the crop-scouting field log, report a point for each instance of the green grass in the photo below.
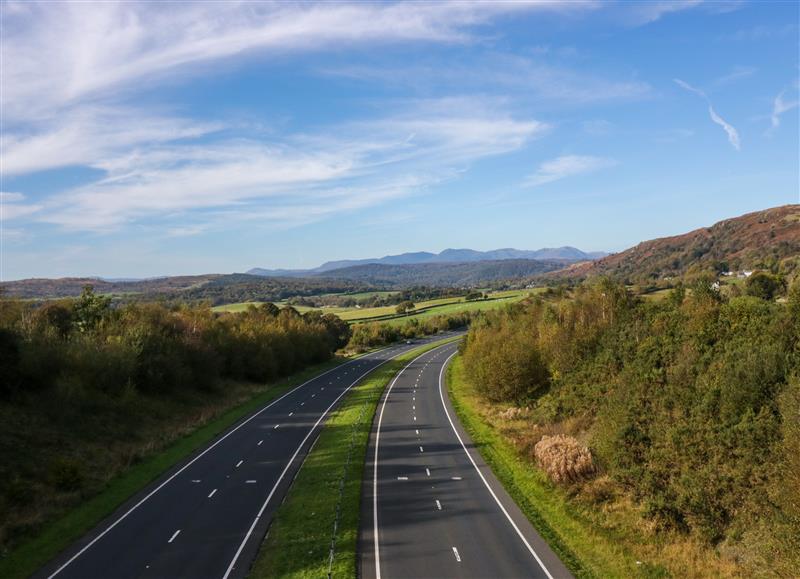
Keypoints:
(587, 549)
(437, 307)
(299, 539)
(56, 536)
(424, 308)
(460, 307)
(242, 306)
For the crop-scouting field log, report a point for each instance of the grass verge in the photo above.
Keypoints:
(56, 536)
(586, 549)
(298, 543)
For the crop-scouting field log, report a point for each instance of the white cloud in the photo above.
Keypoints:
(58, 54)
(89, 136)
(12, 208)
(738, 73)
(639, 13)
(566, 166)
(8, 197)
(730, 130)
(530, 78)
(780, 106)
(308, 176)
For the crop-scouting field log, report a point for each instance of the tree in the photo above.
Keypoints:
(405, 307)
(90, 308)
(763, 285)
(270, 309)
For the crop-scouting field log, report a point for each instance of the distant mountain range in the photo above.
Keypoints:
(764, 239)
(566, 253)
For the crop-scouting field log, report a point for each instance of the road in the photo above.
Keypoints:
(431, 506)
(207, 516)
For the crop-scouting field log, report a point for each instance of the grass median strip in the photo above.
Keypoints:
(56, 536)
(327, 490)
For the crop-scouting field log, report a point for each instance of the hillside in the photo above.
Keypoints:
(216, 288)
(755, 240)
(446, 274)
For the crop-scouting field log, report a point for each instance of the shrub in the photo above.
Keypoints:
(564, 459)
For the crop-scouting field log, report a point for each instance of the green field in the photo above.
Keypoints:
(422, 309)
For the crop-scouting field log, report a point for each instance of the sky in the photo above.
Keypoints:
(146, 138)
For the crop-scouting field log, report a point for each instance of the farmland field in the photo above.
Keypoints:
(422, 309)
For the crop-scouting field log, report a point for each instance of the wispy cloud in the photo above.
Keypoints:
(730, 130)
(70, 72)
(737, 74)
(526, 77)
(639, 13)
(307, 176)
(57, 54)
(780, 106)
(12, 206)
(567, 166)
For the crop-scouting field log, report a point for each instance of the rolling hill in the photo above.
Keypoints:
(752, 241)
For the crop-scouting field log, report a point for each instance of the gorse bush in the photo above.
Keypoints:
(690, 403)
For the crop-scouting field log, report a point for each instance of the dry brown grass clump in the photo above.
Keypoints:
(563, 458)
(514, 413)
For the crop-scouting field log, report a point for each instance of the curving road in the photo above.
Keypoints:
(207, 516)
(431, 506)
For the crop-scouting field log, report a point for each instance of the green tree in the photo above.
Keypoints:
(763, 285)
(405, 307)
(90, 308)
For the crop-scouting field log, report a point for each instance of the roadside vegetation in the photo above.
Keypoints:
(90, 393)
(670, 428)
(322, 507)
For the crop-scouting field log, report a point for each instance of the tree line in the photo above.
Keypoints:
(153, 348)
(691, 404)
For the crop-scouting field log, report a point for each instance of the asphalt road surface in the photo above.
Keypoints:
(207, 516)
(431, 507)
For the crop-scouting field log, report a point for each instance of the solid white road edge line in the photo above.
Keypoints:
(291, 460)
(191, 462)
(480, 474)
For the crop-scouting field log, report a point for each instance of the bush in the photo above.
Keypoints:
(564, 459)
(763, 285)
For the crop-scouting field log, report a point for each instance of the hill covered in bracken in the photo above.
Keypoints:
(768, 239)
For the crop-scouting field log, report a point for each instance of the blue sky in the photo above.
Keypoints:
(144, 139)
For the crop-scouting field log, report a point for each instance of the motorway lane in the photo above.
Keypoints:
(431, 506)
(207, 516)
